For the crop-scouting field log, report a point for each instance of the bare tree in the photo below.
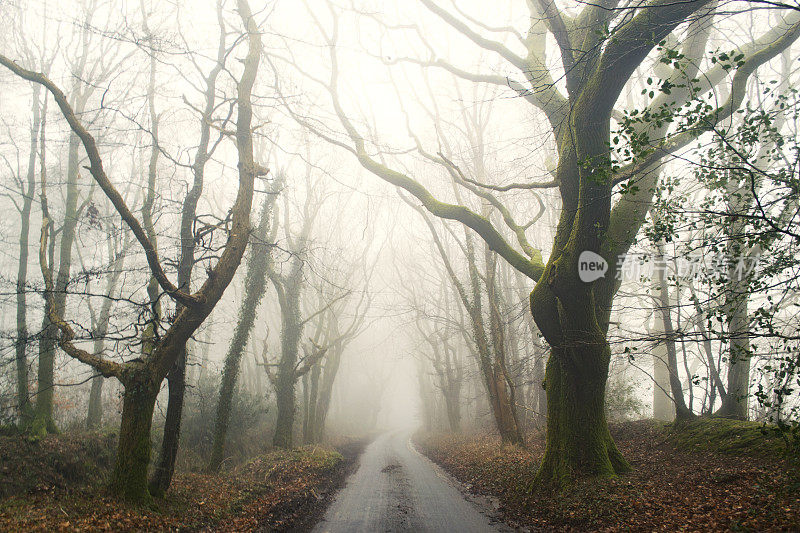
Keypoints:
(207, 145)
(117, 250)
(80, 94)
(142, 377)
(600, 48)
(255, 287)
(334, 335)
(487, 330)
(448, 367)
(289, 286)
(27, 189)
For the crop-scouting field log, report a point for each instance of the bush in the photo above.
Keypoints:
(622, 400)
(252, 420)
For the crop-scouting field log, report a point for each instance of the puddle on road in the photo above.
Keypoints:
(390, 467)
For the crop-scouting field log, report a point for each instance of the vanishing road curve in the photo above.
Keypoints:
(396, 488)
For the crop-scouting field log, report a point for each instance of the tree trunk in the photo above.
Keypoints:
(496, 387)
(663, 407)
(735, 402)
(284, 424)
(664, 315)
(129, 478)
(176, 379)
(43, 416)
(306, 425)
(24, 411)
(229, 374)
(502, 409)
(42, 422)
(426, 398)
(95, 416)
(503, 391)
(573, 316)
(452, 398)
(541, 393)
(578, 439)
(332, 361)
(255, 287)
(310, 433)
(286, 375)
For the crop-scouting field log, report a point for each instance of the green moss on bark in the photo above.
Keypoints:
(579, 443)
(129, 478)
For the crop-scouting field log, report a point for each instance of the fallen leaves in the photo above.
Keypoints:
(276, 491)
(671, 488)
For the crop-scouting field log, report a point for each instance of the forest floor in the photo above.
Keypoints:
(711, 475)
(56, 484)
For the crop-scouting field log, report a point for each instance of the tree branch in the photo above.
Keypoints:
(97, 171)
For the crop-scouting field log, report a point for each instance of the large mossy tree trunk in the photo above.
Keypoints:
(578, 437)
(568, 315)
(573, 313)
(129, 477)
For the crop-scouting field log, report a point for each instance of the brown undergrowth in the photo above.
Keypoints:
(57, 484)
(696, 478)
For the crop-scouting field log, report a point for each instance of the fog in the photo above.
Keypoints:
(289, 223)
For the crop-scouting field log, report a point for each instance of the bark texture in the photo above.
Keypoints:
(255, 287)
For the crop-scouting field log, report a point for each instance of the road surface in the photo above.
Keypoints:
(396, 488)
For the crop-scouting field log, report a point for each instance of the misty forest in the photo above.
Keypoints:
(386, 265)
